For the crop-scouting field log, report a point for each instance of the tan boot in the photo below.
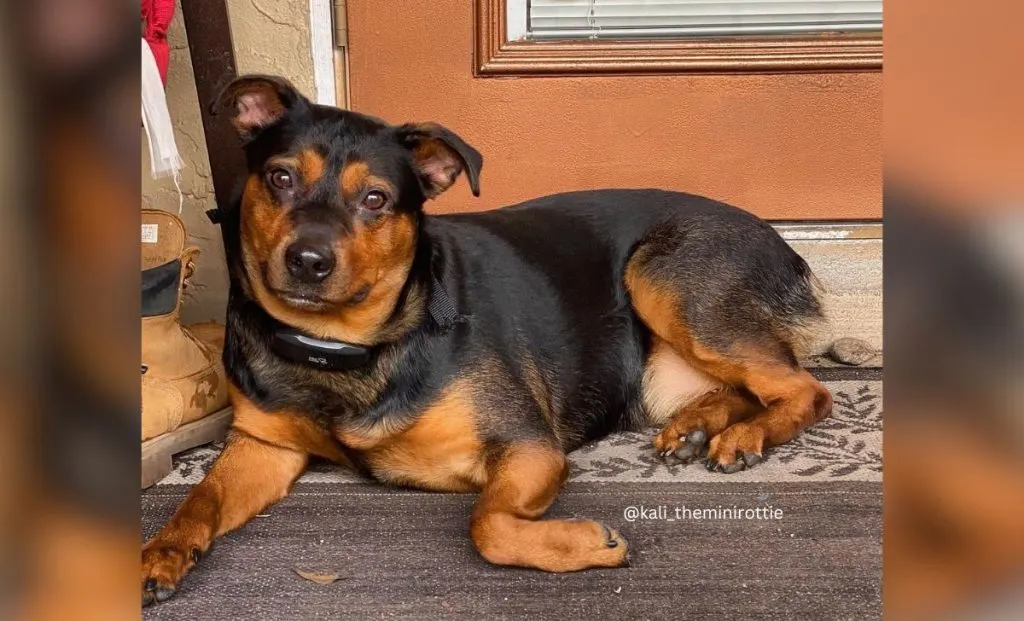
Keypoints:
(183, 379)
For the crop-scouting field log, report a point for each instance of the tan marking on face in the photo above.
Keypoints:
(353, 178)
(264, 224)
(356, 178)
(311, 166)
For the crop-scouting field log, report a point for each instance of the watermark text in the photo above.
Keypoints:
(666, 513)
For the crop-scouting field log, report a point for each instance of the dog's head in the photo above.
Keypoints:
(331, 206)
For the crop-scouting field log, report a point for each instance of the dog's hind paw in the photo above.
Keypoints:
(686, 448)
(737, 448)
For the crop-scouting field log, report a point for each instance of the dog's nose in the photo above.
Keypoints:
(310, 263)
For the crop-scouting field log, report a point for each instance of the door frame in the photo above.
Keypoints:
(497, 56)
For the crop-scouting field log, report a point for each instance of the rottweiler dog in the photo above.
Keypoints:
(486, 345)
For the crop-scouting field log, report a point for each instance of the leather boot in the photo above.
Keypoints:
(183, 378)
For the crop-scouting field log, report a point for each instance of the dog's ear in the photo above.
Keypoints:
(440, 155)
(258, 101)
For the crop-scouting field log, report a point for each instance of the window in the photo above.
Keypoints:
(625, 19)
(585, 37)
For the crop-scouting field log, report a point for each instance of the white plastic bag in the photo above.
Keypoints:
(156, 119)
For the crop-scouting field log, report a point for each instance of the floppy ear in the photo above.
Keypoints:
(440, 155)
(258, 101)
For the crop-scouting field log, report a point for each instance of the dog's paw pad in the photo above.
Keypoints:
(683, 448)
(694, 446)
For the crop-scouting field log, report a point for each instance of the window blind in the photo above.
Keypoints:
(680, 18)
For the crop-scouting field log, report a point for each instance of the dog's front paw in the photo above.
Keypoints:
(737, 448)
(164, 564)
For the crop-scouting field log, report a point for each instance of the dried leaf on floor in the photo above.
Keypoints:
(317, 578)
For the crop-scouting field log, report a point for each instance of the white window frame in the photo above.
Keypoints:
(517, 15)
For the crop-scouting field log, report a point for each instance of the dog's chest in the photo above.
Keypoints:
(440, 451)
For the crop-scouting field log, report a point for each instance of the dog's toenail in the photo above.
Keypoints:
(150, 584)
(196, 555)
(711, 465)
(609, 538)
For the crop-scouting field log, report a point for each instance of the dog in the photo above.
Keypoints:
(471, 352)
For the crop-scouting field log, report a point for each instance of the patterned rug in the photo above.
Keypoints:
(844, 447)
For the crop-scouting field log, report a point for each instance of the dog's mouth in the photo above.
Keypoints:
(312, 302)
(304, 302)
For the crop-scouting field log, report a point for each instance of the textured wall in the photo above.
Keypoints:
(270, 36)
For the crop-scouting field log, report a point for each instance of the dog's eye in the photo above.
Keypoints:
(374, 200)
(280, 179)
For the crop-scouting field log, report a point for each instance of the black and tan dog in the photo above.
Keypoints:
(495, 342)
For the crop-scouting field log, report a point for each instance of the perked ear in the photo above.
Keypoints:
(440, 156)
(258, 101)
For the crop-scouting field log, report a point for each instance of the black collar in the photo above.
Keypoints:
(301, 348)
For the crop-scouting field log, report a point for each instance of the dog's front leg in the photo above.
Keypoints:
(506, 529)
(248, 476)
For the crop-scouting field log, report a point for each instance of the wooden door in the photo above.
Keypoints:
(790, 133)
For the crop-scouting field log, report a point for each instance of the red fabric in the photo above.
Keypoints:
(158, 14)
